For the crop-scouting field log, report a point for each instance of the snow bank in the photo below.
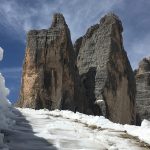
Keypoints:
(5, 106)
(4, 102)
(142, 132)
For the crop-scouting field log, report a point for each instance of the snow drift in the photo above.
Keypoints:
(142, 132)
(5, 106)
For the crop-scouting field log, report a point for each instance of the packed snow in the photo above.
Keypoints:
(142, 132)
(68, 130)
(5, 108)
(102, 106)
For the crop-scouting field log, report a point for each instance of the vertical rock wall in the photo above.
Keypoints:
(48, 71)
(143, 89)
(106, 72)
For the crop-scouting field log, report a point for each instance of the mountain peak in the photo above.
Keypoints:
(58, 20)
(112, 18)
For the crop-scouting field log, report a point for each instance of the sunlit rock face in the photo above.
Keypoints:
(49, 68)
(105, 71)
(142, 75)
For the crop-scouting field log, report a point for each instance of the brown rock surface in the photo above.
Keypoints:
(105, 71)
(49, 66)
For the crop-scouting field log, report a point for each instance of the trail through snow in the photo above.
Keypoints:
(35, 130)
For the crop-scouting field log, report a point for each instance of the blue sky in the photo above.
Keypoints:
(17, 17)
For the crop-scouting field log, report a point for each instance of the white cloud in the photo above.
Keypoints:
(86, 14)
(79, 14)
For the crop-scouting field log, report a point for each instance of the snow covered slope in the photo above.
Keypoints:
(142, 132)
(65, 130)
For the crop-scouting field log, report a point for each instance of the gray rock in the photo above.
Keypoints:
(105, 70)
(143, 89)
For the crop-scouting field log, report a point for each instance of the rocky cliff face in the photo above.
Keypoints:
(49, 66)
(143, 89)
(94, 77)
(105, 71)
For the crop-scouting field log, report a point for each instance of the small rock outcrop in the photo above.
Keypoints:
(49, 68)
(142, 75)
(105, 71)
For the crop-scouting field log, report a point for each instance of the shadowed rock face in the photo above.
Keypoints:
(105, 70)
(143, 89)
(49, 66)
(94, 77)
